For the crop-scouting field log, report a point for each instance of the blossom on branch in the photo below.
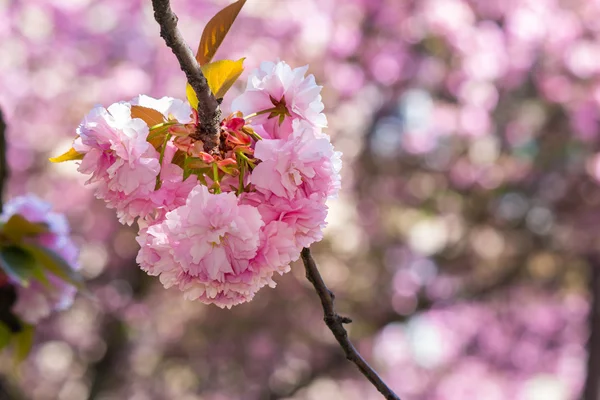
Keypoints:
(279, 95)
(217, 222)
(125, 165)
(205, 248)
(305, 215)
(169, 107)
(303, 165)
(118, 157)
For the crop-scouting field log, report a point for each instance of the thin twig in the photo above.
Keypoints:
(209, 113)
(336, 323)
(3, 163)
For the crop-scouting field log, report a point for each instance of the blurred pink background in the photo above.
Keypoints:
(463, 243)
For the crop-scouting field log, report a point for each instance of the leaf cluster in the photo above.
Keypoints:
(23, 260)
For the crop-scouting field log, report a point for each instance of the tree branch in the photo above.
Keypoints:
(336, 323)
(3, 161)
(209, 113)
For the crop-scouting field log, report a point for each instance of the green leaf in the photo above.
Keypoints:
(215, 31)
(70, 155)
(38, 271)
(221, 75)
(18, 264)
(5, 336)
(55, 264)
(23, 342)
(18, 227)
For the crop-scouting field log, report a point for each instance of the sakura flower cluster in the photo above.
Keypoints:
(217, 225)
(37, 300)
(124, 165)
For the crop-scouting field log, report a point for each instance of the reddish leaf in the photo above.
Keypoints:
(150, 116)
(216, 30)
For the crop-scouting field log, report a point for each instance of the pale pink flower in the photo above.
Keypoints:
(277, 85)
(118, 156)
(125, 166)
(306, 216)
(278, 248)
(205, 247)
(289, 226)
(301, 166)
(172, 193)
(170, 107)
(174, 190)
(37, 301)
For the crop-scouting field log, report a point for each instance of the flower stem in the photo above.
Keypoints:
(216, 179)
(254, 135)
(160, 161)
(242, 165)
(163, 124)
(256, 114)
(186, 170)
(246, 159)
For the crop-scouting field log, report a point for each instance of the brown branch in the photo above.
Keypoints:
(3, 162)
(209, 113)
(336, 323)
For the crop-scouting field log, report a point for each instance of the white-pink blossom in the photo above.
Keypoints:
(118, 156)
(293, 95)
(125, 166)
(306, 216)
(171, 194)
(171, 108)
(302, 166)
(220, 248)
(205, 247)
(278, 248)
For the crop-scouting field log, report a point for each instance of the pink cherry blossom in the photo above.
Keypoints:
(289, 226)
(219, 248)
(306, 216)
(278, 248)
(170, 107)
(125, 166)
(204, 248)
(301, 166)
(117, 156)
(172, 193)
(293, 95)
(38, 301)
